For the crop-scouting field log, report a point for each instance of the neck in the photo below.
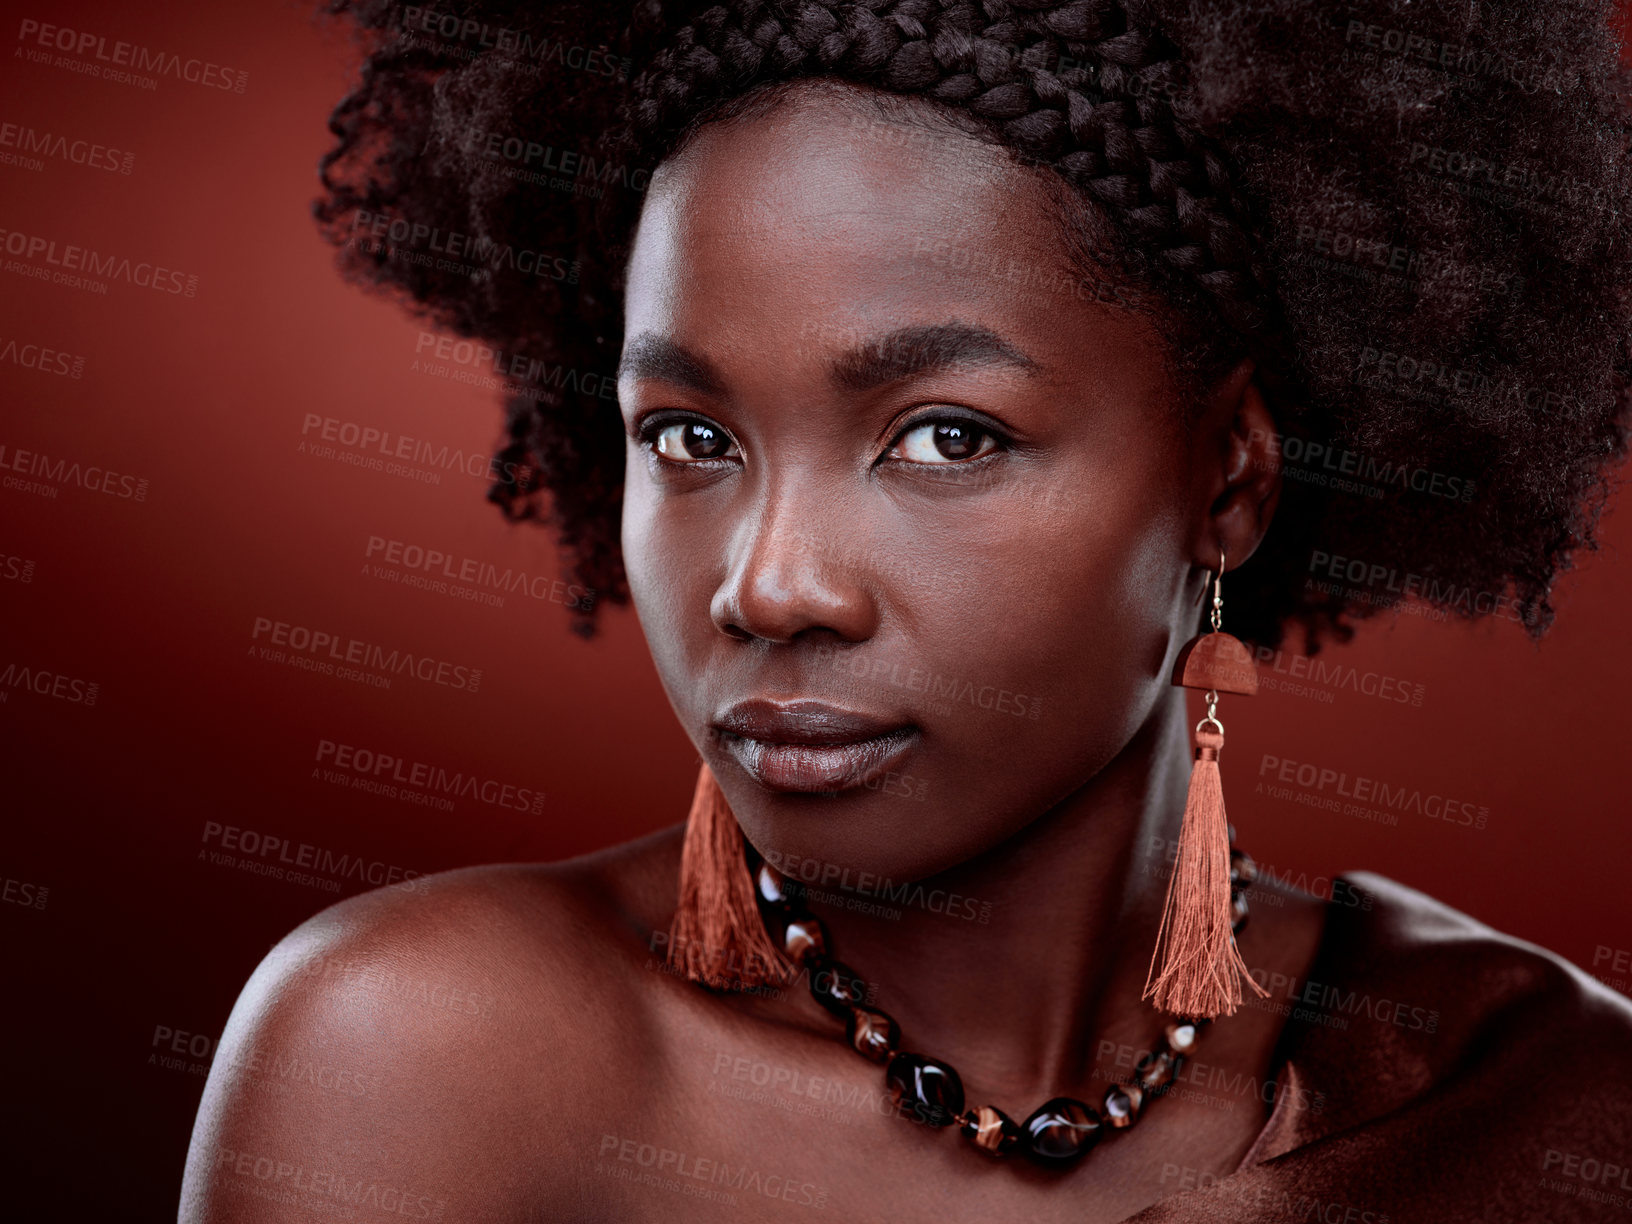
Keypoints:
(1017, 966)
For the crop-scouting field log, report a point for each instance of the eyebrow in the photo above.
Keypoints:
(903, 353)
(924, 349)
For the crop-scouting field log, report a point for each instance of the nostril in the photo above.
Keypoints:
(736, 631)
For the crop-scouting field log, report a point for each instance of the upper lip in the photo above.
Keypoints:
(803, 722)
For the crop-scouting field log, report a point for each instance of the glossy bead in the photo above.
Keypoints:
(1243, 871)
(873, 1034)
(991, 1130)
(1122, 1105)
(775, 890)
(1061, 1130)
(925, 1089)
(835, 986)
(1181, 1037)
(1157, 1070)
(804, 939)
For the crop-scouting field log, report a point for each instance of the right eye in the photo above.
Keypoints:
(692, 442)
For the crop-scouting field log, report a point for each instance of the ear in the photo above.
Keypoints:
(1240, 451)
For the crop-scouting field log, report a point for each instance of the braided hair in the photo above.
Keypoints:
(1415, 222)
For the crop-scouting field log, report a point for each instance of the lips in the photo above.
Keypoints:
(810, 747)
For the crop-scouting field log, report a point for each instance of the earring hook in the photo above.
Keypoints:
(1217, 617)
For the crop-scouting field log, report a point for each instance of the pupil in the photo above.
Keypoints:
(956, 441)
(704, 442)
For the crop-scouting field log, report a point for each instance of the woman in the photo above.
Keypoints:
(955, 345)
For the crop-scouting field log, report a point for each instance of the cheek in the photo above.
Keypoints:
(659, 563)
(1076, 612)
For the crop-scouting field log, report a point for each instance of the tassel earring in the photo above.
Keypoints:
(1196, 969)
(718, 937)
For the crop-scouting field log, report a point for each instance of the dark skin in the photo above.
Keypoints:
(806, 519)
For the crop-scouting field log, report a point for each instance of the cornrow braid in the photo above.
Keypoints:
(1447, 361)
(1074, 86)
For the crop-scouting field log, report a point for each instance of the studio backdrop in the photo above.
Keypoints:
(264, 643)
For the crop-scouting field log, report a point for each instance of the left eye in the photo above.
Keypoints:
(943, 442)
(690, 441)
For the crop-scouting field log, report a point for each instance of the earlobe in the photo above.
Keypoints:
(1248, 478)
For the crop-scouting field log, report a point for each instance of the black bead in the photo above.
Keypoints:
(836, 987)
(1122, 1105)
(991, 1130)
(1061, 1130)
(1157, 1070)
(873, 1034)
(804, 940)
(1243, 870)
(776, 891)
(925, 1090)
(1181, 1037)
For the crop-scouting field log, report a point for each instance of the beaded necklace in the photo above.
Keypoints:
(928, 1090)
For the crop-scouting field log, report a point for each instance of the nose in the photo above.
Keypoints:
(794, 570)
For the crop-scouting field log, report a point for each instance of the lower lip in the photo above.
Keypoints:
(818, 768)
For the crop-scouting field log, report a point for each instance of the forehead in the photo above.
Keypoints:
(830, 212)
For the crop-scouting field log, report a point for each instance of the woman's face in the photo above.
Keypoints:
(911, 518)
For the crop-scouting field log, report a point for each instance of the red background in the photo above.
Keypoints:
(106, 805)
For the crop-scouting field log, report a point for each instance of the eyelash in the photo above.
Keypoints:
(649, 430)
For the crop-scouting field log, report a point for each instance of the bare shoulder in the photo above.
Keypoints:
(395, 1049)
